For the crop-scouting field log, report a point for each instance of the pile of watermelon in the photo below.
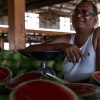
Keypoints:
(16, 84)
(37, 86)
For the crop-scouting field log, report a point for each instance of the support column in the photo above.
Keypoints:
(16, 22)
(2, 40)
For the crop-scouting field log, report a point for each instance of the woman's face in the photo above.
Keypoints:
(83, 17)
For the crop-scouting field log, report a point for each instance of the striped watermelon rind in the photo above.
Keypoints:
(85, 91)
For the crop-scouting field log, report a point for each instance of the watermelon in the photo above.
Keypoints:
(23, 78)
(85, 91)
(5, 74)
(42, 90)
(95, 78)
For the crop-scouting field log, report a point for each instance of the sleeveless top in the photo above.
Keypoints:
(84, 68)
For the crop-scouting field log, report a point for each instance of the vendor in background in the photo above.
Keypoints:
(82, 49)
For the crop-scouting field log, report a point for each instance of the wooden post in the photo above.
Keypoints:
(2, 40)
(16, 22)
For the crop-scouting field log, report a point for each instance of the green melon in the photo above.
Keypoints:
(16, 64)
(58, 65)
(0, 56)
(0, 62)
(23, 78)
(42, 90)
(4, 62)
(26, 64)
(36, 64)
(15, 56)
(26, 58)
(50, 63)
(8, 63)
(4, 54)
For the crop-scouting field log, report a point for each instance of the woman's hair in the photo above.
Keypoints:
(93, 5)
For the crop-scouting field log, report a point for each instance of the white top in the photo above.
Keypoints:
(84, 68)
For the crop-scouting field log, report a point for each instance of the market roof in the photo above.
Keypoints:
(30, 4)
(61, 7)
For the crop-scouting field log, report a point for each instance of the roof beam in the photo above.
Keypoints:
(43, 3)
